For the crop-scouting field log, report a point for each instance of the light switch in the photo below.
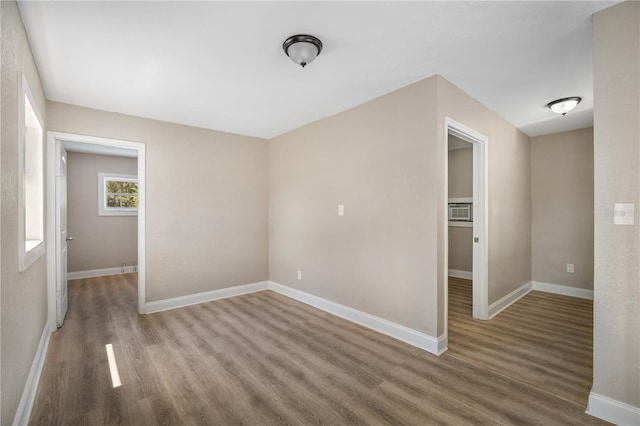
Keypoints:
(623, 213)
(340, 209)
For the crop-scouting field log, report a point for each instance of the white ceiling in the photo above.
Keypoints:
(220, 65)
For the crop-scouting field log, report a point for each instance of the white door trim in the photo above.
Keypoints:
(480, 218)
(139, 147)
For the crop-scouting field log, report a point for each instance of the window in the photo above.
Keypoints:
(117, 194)
(31, 181)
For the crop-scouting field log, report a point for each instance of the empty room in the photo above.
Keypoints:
(401, 213)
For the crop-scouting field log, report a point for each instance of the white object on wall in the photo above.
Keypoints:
(623, 213)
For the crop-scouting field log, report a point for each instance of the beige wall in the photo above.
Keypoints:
(508, 187)
(206, 214)
(22, 294)
(461, 186)
(377, 160)
(616, 350)
(562, 208)
(461, 248)
(461, 172)
(383, 161)
(98, 241)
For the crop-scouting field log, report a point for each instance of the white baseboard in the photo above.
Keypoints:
(207, 296)
(443, 344)
(503, 303)
(415, 338)
(31, 386)
(457, 273)
(101, 272)
(613, 411)
(563, 289)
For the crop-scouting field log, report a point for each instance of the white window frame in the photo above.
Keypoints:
(30, 188)
(103, 210)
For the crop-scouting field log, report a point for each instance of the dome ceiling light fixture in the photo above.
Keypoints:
(564, 105)
(302, 48)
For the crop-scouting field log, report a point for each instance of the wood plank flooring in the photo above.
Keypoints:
(263, 359)
(544, 339)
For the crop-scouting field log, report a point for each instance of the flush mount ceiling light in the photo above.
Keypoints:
(302, 48)
(564, 105)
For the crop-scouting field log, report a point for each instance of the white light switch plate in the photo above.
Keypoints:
(623, 213)
(340, 209)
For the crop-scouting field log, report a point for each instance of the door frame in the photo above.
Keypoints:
(480, 218)
(53, 138)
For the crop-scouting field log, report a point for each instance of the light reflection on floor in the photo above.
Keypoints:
(113, 367)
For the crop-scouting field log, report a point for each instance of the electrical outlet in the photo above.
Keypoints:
(300, 275)
(570, 268)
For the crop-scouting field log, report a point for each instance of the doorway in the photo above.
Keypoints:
(460, 226)
(477, 212)
(57, 146)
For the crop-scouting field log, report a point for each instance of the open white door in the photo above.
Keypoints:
(61, 234)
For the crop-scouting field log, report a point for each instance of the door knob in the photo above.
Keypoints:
(69, 238)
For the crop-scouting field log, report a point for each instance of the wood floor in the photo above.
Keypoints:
(263, 359)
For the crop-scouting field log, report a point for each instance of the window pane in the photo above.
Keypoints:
(122, 201)
(122, 187)
(122, 194)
